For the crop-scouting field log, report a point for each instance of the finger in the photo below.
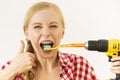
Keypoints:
(30, 58)
(32, 55)
(116, 63)
(115, 59)
(22, 46)
(30, 64)
(115, 69)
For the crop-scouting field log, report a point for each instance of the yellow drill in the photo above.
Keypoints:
(111, 47)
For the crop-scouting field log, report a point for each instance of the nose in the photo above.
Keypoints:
(45, 33)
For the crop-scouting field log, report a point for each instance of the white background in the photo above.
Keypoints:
(85, 20)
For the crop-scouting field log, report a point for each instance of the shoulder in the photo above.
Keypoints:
(78, 65)
(73, 58)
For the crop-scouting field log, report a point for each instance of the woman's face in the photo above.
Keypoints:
(45, 29)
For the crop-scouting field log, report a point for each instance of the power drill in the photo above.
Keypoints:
(111, 47)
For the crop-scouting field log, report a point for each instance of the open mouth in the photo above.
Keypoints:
(46, 44)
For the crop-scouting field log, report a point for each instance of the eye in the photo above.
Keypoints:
(35, 27)
(53, 26)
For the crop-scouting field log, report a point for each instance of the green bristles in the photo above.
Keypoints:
(46, 47)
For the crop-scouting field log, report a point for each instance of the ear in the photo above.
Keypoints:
(63, 33)
(27, 34)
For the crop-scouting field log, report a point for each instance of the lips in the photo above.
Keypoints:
(46, 44)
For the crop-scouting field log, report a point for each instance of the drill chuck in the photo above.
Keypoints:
(99, 45)
(103, 45)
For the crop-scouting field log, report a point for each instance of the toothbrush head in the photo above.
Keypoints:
(47, 47)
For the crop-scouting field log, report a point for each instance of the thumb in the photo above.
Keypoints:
(22, 46)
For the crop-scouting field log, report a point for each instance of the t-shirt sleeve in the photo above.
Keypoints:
(4, 66)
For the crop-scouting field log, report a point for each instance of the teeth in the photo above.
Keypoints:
(46, 42)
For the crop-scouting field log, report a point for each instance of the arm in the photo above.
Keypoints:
(8, 74)
(23, 62)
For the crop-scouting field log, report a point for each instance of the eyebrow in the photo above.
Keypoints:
(41, 24)
(36, 23)
(54, 23)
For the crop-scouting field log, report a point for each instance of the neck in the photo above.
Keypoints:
(48, 64)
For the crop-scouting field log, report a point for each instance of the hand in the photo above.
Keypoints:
(23, 61)
(115, 65)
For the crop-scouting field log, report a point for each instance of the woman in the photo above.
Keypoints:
(44, 27)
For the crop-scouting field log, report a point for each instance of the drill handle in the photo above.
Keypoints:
(117, 77)
(112, 55)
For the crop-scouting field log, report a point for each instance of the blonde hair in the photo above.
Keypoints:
(35, 8)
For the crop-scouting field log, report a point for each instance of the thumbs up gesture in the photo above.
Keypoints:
(23, 61)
